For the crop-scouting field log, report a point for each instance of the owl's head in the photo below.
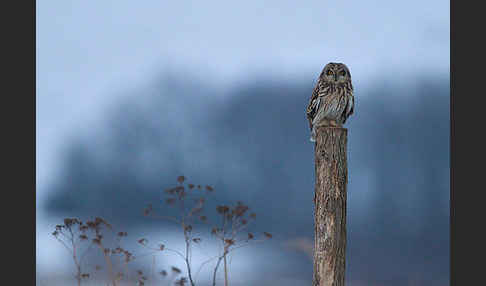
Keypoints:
(335, 73)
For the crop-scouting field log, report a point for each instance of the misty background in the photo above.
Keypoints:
(131, 95)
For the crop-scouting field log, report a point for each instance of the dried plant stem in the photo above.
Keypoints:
(225, 267)
(221, 257)
(188, 264)
(75, 258)
(78, 266)
(216, 270)
(108, 264)
(233, 222)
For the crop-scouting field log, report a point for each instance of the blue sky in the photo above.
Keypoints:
(88, 52)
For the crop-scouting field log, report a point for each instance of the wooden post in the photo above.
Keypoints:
(330, 206)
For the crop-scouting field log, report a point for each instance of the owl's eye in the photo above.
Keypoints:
(329, 72)
(343, 73)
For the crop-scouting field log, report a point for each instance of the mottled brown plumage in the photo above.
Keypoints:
(332, 100)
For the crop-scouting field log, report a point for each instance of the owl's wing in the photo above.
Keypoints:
(349, 108)
(313, 105)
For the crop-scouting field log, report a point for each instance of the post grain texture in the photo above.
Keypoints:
(330, 206)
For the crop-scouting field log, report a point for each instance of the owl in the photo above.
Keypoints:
(332, 100)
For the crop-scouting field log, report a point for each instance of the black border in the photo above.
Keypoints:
(18, 140)
(467, 145)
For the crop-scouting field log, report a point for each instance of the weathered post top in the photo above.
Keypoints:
(330, 206)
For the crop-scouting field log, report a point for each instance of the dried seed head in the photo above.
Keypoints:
(99, 221)
(181, 179)
(181, 282)
(91, 225)
(175, 269)
(68, 222)
(196, 240)
(222, 209)
(128, 256)
(209, 188)
(142, 241)
(240, 210)
(268, 235)
(163, 273)
(250, 235)
(229, 241)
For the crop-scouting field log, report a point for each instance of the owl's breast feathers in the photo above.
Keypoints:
(330, 102)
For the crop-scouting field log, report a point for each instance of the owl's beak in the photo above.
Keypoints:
(335, 77)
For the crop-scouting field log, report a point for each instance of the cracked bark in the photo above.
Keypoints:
(330, 206)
